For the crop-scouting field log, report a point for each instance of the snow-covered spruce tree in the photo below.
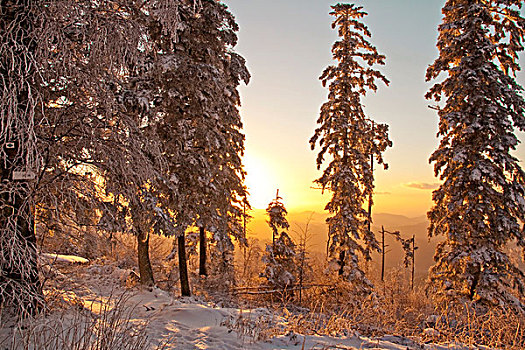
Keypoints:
(280, 256)
(193, 79)
(350, 139)
(480, 207)
(277, 216)
(167, 82)
(149, 205)
(70, 126)
(223, 193)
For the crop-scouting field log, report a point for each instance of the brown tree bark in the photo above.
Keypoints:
(202, 252)
(183, 267)
(145, 270)
(26, 276)
(342, 262)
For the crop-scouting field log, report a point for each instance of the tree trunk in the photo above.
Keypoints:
(145, 270)
(383, 254)
(19, 279)
(474, 285)
(341, 262)
(413, 261)
(202, 252)
(369, 223)
(183, 267)
(26, 224)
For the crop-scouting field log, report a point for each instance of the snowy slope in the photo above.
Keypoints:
(190, 323)
(187, 323)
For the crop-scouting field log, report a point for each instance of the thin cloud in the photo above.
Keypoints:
(382, 193)
(422, 185)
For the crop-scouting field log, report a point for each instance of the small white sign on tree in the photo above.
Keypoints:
(23, 175)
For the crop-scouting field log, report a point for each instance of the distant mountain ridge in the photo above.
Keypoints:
(407, 226)
(396, 220)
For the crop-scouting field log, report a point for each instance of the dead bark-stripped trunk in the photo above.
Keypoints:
(183, 267)
(145, 270)
(202, 252)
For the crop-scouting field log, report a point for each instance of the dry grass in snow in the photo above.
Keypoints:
(93, 307)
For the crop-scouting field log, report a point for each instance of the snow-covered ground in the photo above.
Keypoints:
(178, 323)
(64, 258)
(188, 323)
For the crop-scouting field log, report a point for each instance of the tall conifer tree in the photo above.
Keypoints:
(191, 83)
(480, 206)
(350, 139)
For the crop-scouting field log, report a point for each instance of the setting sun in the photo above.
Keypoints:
(261, 182)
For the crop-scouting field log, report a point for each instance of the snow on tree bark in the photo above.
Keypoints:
(480, 206)
(350, 139)
(20, 285)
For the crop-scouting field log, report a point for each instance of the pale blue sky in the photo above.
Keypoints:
(287, 45)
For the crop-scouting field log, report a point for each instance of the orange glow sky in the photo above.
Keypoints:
(287, 45)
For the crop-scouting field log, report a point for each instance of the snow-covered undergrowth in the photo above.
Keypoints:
(94, 307)
(108, 326)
